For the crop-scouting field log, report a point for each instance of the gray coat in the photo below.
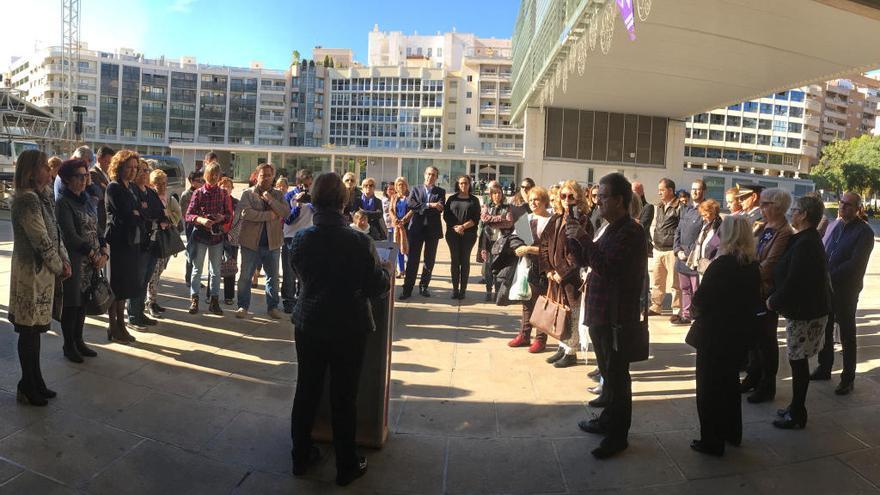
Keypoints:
(38, 258)
(80, 234)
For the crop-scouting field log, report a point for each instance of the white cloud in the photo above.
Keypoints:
(184, 6)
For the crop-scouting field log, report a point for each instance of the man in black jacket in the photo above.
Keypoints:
(666, 220)
(646, 217)
(848, 248)
(332, 323)
(424, 230)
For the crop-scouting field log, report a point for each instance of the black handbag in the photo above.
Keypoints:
(631, 340)
(99, 296)
(167, 243)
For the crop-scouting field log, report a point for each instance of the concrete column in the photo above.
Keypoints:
(399, 166)
(333, 163)
(533, 145)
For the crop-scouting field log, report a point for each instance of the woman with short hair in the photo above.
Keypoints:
(87, 250)
(724, 304)
(153, 219)
(802, 296)
(496, 219)
(772, 240)
(173, 214)
(39, 260)
(124, 235)
(462, 215)
(332, 324)
(731, 196)
(371, 206)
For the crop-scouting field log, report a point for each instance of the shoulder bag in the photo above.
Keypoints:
(552, 316)
(99, 296)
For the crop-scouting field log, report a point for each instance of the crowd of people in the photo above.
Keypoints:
(575, 258)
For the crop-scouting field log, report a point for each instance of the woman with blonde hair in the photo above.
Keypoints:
(724, 305)
(39, 262)
(159, 184)
(400, 217)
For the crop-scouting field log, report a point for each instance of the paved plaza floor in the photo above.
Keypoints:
(201, 404)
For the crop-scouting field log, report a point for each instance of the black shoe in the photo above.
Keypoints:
(142, 321)
(84, 350)
(601, 401)
(592, 426)
(461, 295)
(31, 397)
(845, 388)
(790, 423)
(653, 313)
(703, 448)
(820, 374)
(783, 412)
(488, 297)
(72, 354)
(594, 373)
(404, 295)
(300, 468)
(560, 353)
(683, 321)
(761, 394)
(674, 319)
(344, 478)
(423, 291)
(748, 384)
(609, 448)
(214, 306)
(287, 309)
(155, 308)
(454, 294)
(597, 390)
(566, 361)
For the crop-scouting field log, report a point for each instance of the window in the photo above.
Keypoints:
(467, 110)
(780, 126)
(796, 95)
(776, 159)
(713, 153)
(763, 140)
(780, 110)
(732, 136)
(733, 121)
(602, 136)
(796, 112)
(761, 158)
(782, 95)
(430, 52)
(793, 143)
(469, 94)
(766, 108)
(717, 119)
(698, 152)
(765, 124)
(734, 107)
(439, 52)
(729, 154)
(794, 127)
(750, 106)
(470, 78)
(777, 141)
(748, 138)
(716, 135)
(701, 118)
(467, 127)
(746, 156)
(750, 122)
(700, 133)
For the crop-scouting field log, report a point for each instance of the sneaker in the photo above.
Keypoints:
(241, 313)
(275, 314)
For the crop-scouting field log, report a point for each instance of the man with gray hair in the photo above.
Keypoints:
(848, 249)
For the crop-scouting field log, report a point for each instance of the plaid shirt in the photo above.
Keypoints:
(619, 262)
(208, 201)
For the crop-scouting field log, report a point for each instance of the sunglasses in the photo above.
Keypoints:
(567, 196)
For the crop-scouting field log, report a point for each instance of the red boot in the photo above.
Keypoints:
(538, 346)
(519, 341)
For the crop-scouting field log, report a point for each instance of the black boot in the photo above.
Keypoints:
(214, 306)
(38, 375)
(68, 322)
(28, 352)
(78, 341)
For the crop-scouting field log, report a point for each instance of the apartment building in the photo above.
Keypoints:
(146, 104)
(310, 93)
(848, 108)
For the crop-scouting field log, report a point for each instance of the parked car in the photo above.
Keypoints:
(173, 168)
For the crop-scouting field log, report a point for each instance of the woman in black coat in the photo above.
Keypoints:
(332, 321)
(152, 218)
(124, 227)
(462, 215)
(802, 296)
(724, 306)
(86, 249)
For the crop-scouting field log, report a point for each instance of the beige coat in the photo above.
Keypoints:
(256, 213)
(38, 258)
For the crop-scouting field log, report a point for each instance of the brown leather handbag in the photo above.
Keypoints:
(550, 315)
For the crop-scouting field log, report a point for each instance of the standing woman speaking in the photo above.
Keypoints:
(462, 215)
(124, 236)
(332, 322)
(38, 260)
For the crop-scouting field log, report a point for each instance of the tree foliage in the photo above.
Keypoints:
(850, 165)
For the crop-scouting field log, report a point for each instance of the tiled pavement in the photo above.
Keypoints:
(202, 405)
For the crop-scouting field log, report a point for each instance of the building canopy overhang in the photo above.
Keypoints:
(691, 56)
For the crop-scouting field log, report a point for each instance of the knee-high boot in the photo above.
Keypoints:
(27, 392)
(68, 330)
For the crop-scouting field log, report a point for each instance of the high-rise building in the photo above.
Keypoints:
(310, 93)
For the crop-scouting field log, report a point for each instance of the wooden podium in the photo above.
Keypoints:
(372, 404)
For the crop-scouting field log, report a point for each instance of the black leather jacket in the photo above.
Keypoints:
(666, 223)
(339, 271)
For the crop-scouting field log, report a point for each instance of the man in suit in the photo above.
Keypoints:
(424, 230)
(848, 248)
(619, 266)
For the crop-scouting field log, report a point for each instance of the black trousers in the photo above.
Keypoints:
(719, 405)
(73, 318)
(844, 313)
(600, 343)
(228, 287)
(288, 279)
(344, 360)
(416, 243)
(616, 418)
(460, 247)
(764, 355)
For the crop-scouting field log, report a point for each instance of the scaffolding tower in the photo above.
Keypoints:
(70, 16)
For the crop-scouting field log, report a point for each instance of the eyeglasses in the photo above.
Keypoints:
(565, 197)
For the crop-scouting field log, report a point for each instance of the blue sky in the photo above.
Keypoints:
(235, 32)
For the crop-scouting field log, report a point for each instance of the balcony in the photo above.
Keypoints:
(489, 93)
(813, 106)
(810, 151)
(811, 136)
(834, 114)
(812, 121)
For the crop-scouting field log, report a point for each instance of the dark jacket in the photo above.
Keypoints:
(453, 216)
(848, 248)
(425, 221)
(556, 256)
(724, 307)
(646, 217)
(375, 217)
(504, 264)
(152, 214)
(335, 295)
(665, 223)
(802, 291)
(123, 226)
(80, 239)
(689, 226)
(97, 190)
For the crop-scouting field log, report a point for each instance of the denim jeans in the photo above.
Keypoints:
(136, 304)
(215, 253)
(250, 261)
